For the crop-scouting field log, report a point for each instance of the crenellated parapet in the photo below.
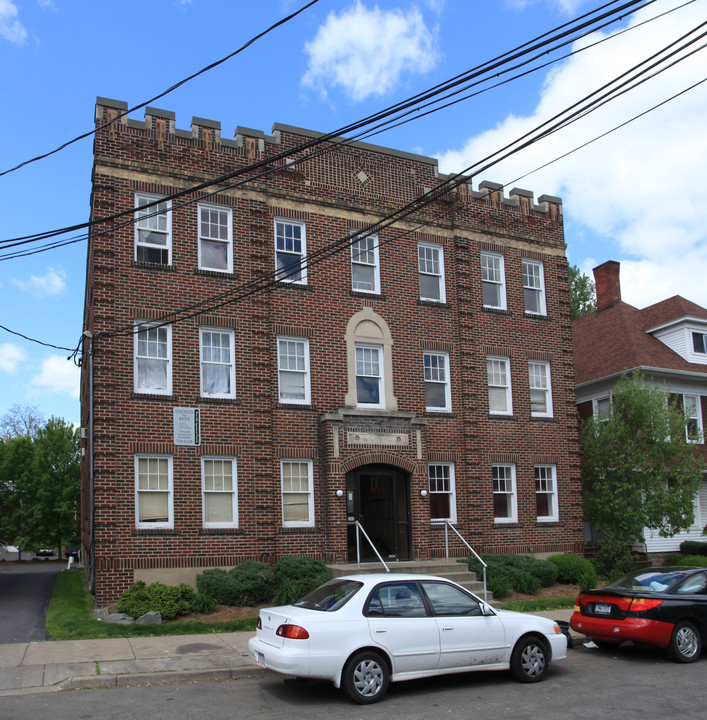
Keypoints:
(312, 164)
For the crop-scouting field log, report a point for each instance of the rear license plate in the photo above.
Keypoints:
(260, 659)
(602, 609)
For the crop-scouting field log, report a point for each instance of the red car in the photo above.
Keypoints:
(663, 607)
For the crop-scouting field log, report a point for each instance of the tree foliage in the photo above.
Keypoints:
(40, 487)
(638, 471)
(582, 293)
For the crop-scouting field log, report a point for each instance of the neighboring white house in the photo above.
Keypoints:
(667, 343)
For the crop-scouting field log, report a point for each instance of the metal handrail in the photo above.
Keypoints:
(358, 545)
(447, 525)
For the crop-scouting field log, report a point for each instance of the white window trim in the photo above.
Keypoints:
(376, 265)
(168, 232)
(548, 390)
(513, 494)
(698, 405)
(232, 364)
(541, 290)
(234, 493)
(554, 511)
(310, 498)
(381, 376)
(452, 493)
(228, 242)
(306, 373)
(151, 391)
(447, 407)
(508, 387)
(302, 254)
(595, 407)
(501, 284)
(170, 492)
(442, 283)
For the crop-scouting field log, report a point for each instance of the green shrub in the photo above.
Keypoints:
(574, 569)
(613, 559)
(249, 583)
(684, 560)
(204, 603)
(693, 547)
(524, 582)
(499, 587)
(168, 600)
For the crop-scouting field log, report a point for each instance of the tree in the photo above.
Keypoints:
(638, 471)
(17, 492)
(57, 479)
(21, 421)
(582, 293)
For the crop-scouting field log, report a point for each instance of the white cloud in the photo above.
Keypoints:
(10, 27)
(52, 282)
(640, 187)
(365, 52)
(58, 375)
(10, 357)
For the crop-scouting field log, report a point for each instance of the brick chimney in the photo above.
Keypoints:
(608, 285)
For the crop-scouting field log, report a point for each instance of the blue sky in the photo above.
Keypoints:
(635, 196)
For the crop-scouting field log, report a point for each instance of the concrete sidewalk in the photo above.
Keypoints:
(34, 667)
(27, 668)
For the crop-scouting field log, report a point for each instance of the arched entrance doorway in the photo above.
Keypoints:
(378, 496)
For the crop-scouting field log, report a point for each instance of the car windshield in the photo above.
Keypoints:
(330, 596)
(647, 580)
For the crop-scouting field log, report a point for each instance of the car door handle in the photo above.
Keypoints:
(380, 631)
(447, 628)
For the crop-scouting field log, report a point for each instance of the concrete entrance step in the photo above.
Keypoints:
(452, 570)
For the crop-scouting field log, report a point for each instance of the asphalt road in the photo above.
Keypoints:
(630, 683)
(25, 589)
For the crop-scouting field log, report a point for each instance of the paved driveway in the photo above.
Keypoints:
(25, 589)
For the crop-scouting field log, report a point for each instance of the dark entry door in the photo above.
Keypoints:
(379, 498)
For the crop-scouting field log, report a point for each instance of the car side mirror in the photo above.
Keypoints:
(486, 609)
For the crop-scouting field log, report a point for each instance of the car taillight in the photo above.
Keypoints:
(578, 602)
(259, 623)
(641, 604)
(293, 632)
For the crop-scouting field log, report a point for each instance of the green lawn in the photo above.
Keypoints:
(540, 604)
(70, 617)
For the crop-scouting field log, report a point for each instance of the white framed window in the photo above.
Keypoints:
(370, 391)
(493, 281)
(293, 370)
(498, 370)
(154, 504)
(297, 493)
(601, 408)
(219, 488)
(290, 251)
(438, 395)
(218, 365)
(443, 504)
(540, 388)
(430, 261)
(365, 268)
(546, 493)
(693, 418)
(699, 343)
(505, 503)
(215, 238)
(534, 287)
(153, 230)
(153, 359)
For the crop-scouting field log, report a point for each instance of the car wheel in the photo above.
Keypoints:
(365, 678)
(685, 644)
(529, 660)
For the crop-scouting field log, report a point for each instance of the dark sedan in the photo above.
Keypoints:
(664, 607)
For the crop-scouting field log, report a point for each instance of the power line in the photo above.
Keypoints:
(165, 92)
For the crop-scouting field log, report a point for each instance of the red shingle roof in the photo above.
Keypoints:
(612, 340)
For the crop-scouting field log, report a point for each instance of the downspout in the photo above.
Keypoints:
(92, 548)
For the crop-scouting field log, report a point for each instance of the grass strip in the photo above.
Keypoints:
(70, 617)
(540, 604)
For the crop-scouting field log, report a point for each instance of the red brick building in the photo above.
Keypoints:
(667, 343)
(262, 373)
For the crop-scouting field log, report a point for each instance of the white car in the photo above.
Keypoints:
(364, 631)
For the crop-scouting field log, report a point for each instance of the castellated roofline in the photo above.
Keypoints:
(163, 122)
